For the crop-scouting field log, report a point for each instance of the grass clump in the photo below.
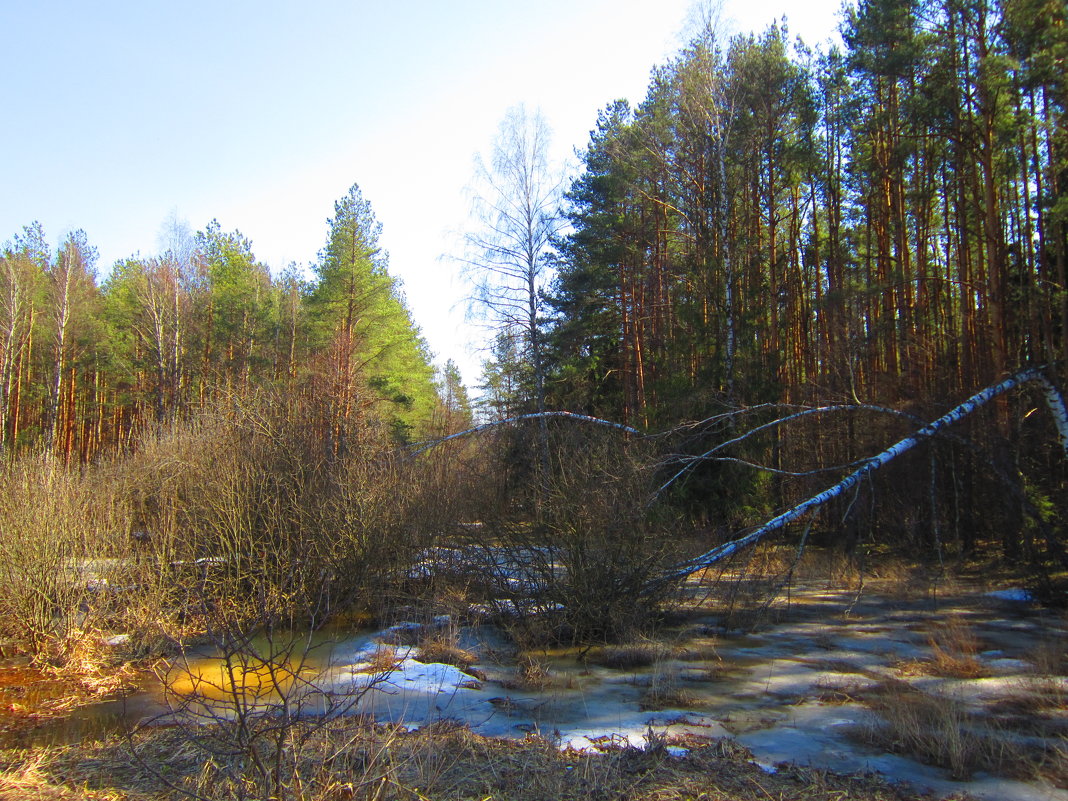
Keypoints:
(637, 654)
(385, 659)
(1050, 657)
(954, 654)
(943, 731)
(665, 690)
(442, 647)
(531, 674)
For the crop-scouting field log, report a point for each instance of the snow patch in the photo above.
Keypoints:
(432, 677)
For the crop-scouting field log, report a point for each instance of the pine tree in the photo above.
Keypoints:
(375, 359)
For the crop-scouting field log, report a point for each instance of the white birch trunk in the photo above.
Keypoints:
(1053, 398)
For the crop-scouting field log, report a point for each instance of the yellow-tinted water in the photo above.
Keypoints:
(248, 680)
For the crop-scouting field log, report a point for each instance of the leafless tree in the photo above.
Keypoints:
(516, 214)
(21, 270)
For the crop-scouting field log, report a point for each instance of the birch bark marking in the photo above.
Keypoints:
(1055, 401)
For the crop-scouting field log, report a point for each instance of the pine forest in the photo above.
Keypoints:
(771, 416)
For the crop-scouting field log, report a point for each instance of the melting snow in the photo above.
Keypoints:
(1016, 594)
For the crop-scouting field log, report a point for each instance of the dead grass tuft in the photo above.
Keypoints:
(532, 674)
(384, 660)
(639, 654)
(29, 779)
(954, 653)
(441, 648)
(698, 652)
(665, 690)
(942, 731)
(1050, 657)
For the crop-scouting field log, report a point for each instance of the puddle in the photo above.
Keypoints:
(34, 709)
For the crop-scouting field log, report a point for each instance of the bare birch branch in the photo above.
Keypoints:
(691, 461)
(585, 418)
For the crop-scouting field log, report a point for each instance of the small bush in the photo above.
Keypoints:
(60, 532)
(248, 506)
(591, 558)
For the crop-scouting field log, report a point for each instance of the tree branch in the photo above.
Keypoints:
(585, 418)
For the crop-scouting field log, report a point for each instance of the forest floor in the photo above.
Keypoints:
(899, 688)
(443, 761)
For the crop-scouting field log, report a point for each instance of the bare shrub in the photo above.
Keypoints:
(581, 561)
(58, 572)
(255, 708)
(246, 506)
(258, 531)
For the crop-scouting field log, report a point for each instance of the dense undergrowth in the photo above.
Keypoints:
(245, 519)
(243, 527)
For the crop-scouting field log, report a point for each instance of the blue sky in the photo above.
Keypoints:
(262, 114)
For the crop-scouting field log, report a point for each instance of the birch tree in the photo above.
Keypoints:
(22, 267)
(71, 283)
(516, 215)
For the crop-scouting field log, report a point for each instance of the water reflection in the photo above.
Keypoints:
(243, 680)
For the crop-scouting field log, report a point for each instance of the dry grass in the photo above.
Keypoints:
(354, 760)
(942, 731)
(665, 690)
(29, 779)
(954, 653)
(700, 652)
(442, 646)
(638, 654)
(384, 660)
(533, 675)
(1050, 657)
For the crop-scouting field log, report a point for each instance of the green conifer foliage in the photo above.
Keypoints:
(373, 356)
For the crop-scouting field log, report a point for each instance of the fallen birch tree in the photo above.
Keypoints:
(1054, 400)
